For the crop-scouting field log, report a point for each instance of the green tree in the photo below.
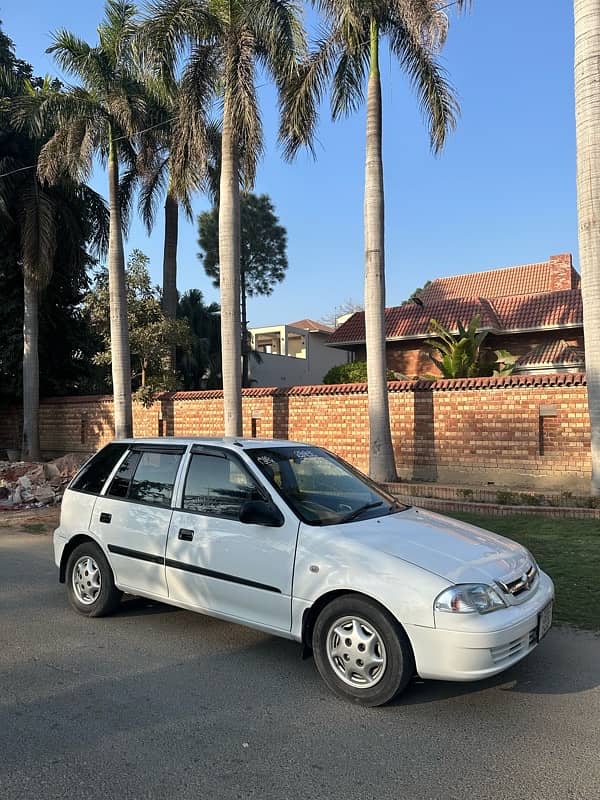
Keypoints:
(347, 58)
(37, 215)
(460, 354)
(152, 335)
(200, 365)
(587, 103)
(242, 35)
(99, 117)
(263, 254)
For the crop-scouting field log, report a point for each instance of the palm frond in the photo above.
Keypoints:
(239, 79)
(301, 97)
(37, 220)
(100, 218)
(347, 92)
(435, 95)
(169, 27)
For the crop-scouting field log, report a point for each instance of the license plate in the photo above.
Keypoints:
(544, 622)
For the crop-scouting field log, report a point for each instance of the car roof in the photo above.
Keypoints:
(229, 442)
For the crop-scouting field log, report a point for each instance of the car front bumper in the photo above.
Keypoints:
(481, 645)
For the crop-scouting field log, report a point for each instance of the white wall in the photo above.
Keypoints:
(289, 371)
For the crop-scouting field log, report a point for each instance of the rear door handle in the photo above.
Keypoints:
(104, 517)
(185, 534)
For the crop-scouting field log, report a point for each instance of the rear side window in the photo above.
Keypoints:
(146, 477)
(95, 473)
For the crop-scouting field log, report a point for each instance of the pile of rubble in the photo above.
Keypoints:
(31, 485)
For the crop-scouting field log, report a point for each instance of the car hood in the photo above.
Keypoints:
(459, 552)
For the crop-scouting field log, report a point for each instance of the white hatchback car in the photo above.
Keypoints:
(288, 538)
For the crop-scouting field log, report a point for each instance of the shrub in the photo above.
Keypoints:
(355, 372)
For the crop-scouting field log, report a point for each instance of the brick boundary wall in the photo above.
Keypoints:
(525, 431)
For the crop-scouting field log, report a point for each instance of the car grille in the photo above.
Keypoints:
(506, 652)
(520, 584)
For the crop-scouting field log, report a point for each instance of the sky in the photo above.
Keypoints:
(502, 192)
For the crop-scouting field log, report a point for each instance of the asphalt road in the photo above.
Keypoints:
(161, 703)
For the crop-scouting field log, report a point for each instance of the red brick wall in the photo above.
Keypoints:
(474, 430)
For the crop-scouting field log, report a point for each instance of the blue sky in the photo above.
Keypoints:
(501, 193)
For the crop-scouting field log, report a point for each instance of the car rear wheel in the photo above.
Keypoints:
(90, 583)
(361, 651)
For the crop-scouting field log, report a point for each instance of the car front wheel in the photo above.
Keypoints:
(90, 583)
(361, 652)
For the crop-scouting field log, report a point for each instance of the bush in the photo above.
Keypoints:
(356, 372)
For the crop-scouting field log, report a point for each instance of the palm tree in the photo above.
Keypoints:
(100, 117)
(347, 57)
(40, 212)
(241, 35)
(587, 103)
(177, 157)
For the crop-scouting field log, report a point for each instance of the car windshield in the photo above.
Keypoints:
(321, 488)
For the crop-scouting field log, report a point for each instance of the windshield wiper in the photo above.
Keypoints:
(357, 511)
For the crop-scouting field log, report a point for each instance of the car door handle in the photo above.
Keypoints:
(185, 534)
(104, 517)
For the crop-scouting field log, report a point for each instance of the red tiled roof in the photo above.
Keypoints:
(551, 309)
(540, 310)
(553, 354)
(548, 276)
(311, 325)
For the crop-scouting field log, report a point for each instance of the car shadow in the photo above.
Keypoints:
(564, 663)
(133, 606)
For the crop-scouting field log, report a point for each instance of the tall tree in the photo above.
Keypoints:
(242, 35)
(176, 158)
(348, 58)
(200, 366)
(587, 109)
(152, 335)
(38, 213)
(100, 117)
(263, 255)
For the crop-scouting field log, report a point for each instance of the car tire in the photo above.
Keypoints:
(361, 651)
(90, 583)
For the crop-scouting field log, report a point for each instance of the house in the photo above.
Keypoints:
(294, 354)
(534, 311)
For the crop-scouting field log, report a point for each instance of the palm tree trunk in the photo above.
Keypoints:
(169, 296)
(119, 330)
(381, 453)
(31, 372)
(229, 262)
(587, 113)
(245, 349)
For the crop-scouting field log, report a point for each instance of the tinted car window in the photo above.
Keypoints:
(321, 488)
(120, 483)
(216, 485)
(154, 478)
(95, 473)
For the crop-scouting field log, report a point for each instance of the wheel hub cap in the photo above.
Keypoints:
(86, 580)
(356, 652)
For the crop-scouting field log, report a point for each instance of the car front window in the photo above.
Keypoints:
(320, 487)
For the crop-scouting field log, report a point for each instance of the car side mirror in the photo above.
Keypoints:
(259, 512)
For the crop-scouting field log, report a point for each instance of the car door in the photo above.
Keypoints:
(132, 517)
(218, 563)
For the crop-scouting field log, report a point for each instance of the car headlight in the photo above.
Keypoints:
(469, 598)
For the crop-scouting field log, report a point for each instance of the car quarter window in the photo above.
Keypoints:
(217, 485)
(95, 473)
(146, 477)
